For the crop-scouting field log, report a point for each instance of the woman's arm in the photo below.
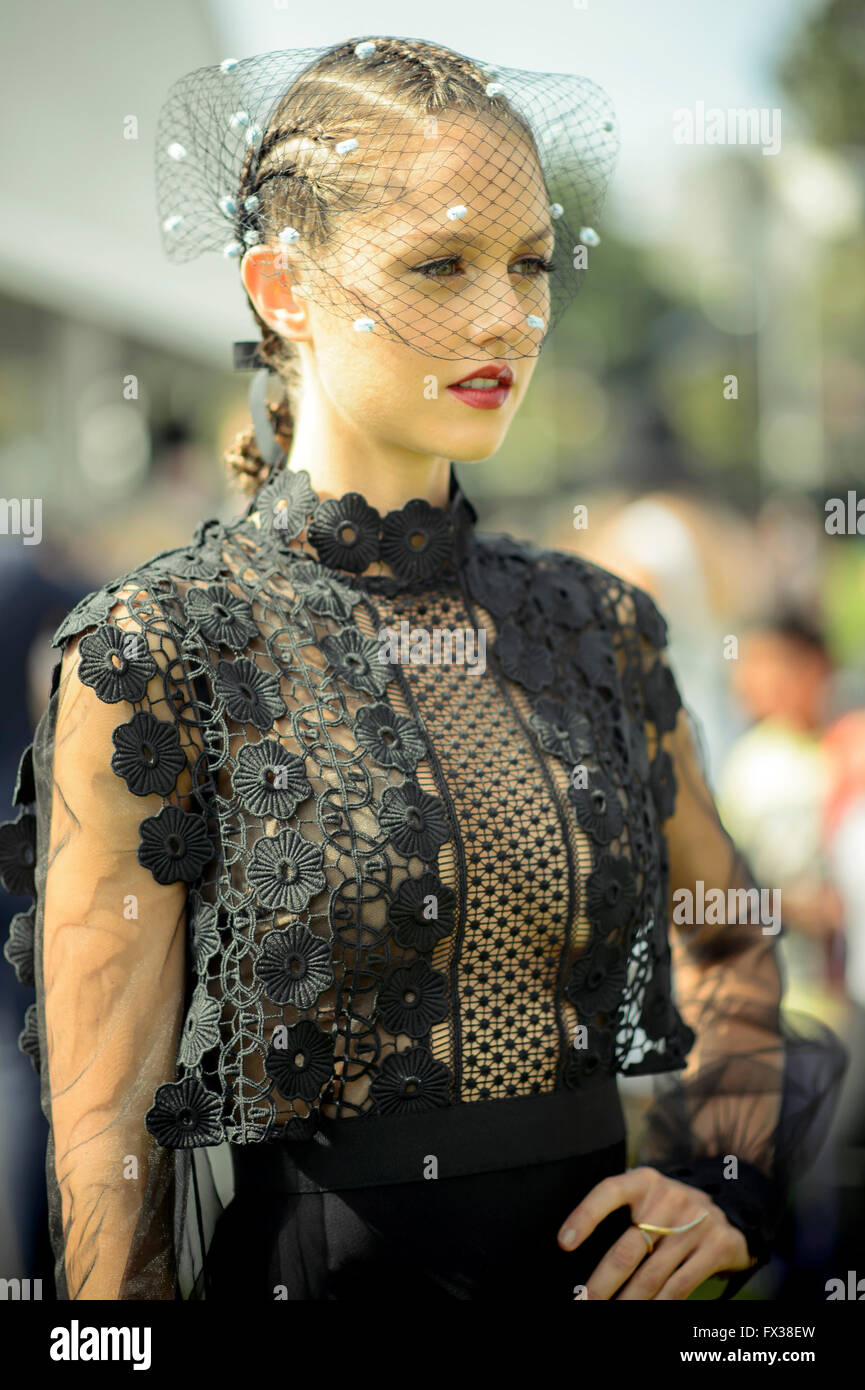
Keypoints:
(749, 1110)
(109, 958)
(753, 1104)
(113, 974)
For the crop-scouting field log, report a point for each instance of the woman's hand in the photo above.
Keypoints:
(679, 1263)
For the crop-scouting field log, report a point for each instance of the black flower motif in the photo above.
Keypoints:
(412, 999)
(18, 854)
(294, 966)
(410, 1082)
(89, 611)
(270, 780)
(649, 620)
(223, 618)
(611, 892)
(285, 503)
(598, 808)
(416, 541)
(592, 1064)
(116, 663)
(196, 561)
(24, 793)
(200, 1028)
(321, 591)
(561, 730)
(304, 1063)
(356, 659)
(184, 1115)
(344, 531)
(28, 1038)
(496, 581)
(407, 912)
(561, 597)
(18, 949)
(658, 1015)
(596, 659)
(251, 696)
(663, 700)
(394, 740)
(286, 871)
(597, 980)
(526, 662)
(414, 821)
(204, 936)
(174, 845)
(148, 755)
(663, 784)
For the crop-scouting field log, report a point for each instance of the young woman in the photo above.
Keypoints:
(356, 829)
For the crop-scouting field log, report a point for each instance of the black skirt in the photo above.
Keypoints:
(470, 1218)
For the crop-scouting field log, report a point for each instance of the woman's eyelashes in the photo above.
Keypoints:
(433, 269)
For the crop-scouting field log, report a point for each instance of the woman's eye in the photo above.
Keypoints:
(443, 269)
(535, 263)
(433, 268)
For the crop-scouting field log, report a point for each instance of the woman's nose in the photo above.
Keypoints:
(501, 309)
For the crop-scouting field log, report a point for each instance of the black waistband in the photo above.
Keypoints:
(466, 1138)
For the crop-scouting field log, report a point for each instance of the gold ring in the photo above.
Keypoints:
(647, 1238)
(672, 1230)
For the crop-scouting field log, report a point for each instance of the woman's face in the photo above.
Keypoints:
(458, 291)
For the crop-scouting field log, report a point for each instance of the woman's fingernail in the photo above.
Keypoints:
(567, 1236)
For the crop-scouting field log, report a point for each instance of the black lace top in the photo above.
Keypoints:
(340, 815)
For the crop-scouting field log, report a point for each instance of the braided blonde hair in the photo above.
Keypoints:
(303, 186)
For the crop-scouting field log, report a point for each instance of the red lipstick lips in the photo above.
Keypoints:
(484, 397)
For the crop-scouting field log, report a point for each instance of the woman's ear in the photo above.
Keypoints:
(271, 278)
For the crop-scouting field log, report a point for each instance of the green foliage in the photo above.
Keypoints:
(824, 73)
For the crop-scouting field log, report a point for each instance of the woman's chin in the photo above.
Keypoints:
(477, 455)
(468, 444)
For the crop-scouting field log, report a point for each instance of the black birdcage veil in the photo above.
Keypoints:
(413, 223)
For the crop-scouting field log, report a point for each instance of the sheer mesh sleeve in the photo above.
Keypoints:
(108, 959)
(748, 1113)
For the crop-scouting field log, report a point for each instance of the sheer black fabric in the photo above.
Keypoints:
(475, 1236)
(748, 1114)
(293, 873)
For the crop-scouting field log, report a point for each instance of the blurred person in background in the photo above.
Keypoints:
(772, 790)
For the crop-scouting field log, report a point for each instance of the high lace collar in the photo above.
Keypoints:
(420, 543)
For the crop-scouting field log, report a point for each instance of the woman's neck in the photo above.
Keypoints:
(341, 458)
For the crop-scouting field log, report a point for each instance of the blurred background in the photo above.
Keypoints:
(703, 400)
